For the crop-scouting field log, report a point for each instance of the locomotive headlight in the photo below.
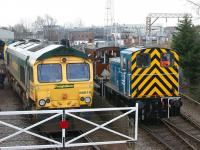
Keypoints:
(42, 102)
(87, 99)
(82, 98)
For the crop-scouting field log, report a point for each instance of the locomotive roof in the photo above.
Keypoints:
(135, 49)
(132, 49)
(35, 50)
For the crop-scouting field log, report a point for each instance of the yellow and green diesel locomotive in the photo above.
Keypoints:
(149, 76)
(49, 76)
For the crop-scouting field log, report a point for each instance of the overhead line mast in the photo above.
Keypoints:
(109, 19)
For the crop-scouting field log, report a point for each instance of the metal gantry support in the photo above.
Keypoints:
(64, 114)
(149, 21)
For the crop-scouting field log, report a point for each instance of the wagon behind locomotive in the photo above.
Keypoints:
(100, 59)
(149, 76)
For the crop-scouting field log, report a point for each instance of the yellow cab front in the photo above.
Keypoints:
(62, 82)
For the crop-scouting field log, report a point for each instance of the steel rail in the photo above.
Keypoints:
(189, 98)
(195, 141)
(164, 141)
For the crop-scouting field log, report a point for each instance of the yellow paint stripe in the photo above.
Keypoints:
(173, 71)
(166, 82)
(155, 71)
(136, 72)
(140, 76)
(134, 56)
(147, 78)
(147, 50)
(170, 76)
(155, 52)
(175, 55)
(163, 50)
(175, 64)
(167, 73)
(155, 90)
(149, 86)
(163, 88)
(159, 84)
(134, 93)
(152, 73)
(133, 66)
(176, 93)
(155, 62)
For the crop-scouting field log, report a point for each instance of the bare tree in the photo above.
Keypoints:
(47, 26)
(19, 31)
(27, 28)
(50, 27)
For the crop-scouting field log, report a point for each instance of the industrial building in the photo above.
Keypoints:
(6, 35)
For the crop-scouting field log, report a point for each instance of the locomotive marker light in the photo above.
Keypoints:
(63, 60)
(87, 99)
(42, 102)
(47, 100)
(82, 98)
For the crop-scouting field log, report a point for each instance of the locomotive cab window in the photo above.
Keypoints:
(123, 62)
(48, 73)
(143, 60)
(78, 72)
(166, 60)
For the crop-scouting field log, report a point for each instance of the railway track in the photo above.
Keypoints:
(186, 128)
(71, 135)
(176, 133)
(189, 98)
(167, 136)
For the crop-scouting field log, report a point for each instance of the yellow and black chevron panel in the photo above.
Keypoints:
(155, 80)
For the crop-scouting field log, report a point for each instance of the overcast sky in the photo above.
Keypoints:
(91, 12)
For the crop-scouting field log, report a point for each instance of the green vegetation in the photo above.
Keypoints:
(187, 42)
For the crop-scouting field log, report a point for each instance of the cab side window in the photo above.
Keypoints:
(166, 60)
(31, 74)
(123, 62)
(143, 60)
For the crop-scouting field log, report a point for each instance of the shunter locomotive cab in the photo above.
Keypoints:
(149, 76)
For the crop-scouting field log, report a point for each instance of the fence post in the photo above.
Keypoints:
(136, 122)
(63, 129)
(168, 108)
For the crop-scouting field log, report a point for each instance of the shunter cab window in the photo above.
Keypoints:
(166, 60)
(49, 73)
(143, 60)
(123, 62)
(78, 72)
